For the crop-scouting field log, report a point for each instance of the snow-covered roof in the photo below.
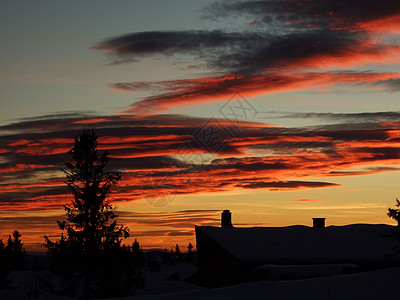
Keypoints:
(295, 243)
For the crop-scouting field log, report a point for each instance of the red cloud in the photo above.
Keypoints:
(183, 92)
(306, 200)
(155, 165)
(23, 167)
(388, 24)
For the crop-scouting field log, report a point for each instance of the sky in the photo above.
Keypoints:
(280, 111)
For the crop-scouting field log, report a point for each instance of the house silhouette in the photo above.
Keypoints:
(229, 255)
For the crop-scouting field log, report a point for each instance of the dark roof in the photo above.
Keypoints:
(301, 243)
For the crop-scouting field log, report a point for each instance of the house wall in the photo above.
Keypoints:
(217, 266)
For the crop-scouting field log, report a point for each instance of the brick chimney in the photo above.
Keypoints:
(319, 222)
(226, 218)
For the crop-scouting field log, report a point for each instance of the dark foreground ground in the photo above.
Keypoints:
(170, 283)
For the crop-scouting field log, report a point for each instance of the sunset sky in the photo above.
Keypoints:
(277, 110)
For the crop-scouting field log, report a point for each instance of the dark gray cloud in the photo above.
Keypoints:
(303, 14)
(328, 28)
(286, 185)
(392, 85)
(393, 116)
(288, 40)
(238, 52)
(202, 43)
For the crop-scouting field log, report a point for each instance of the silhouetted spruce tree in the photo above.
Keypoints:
(190, 247)
(137, 259)
(190, 252)
(12, 254)
(394, 213)
(14, 243)
(137, 254)
(2, 246)
(3, 271)
(90, 243)
(177, 250)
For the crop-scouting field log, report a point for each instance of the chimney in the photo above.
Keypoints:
(226, 219)
(319, 222)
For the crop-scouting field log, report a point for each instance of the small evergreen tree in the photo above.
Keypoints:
(177, 250)
(190, 252)
(14, 243)
(12, 254)
(394, 213)
(90, 242)
(137, 254)
(190, 247)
